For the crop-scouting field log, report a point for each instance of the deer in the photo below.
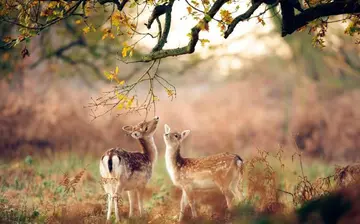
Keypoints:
(122, 170)
(223, 171)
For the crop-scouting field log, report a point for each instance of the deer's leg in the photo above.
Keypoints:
(116, 208)
(229, 196)
(190, 197)
(131, 203)
(110, 201)
(236, 188)
(183, 204)
(225, 188)
(140, 194)
(118, 190)
(108, 190)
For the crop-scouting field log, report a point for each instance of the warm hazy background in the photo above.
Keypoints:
(252, 91)
(269, 92)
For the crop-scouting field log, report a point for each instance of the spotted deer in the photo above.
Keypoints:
(222, 171)
(129, 171)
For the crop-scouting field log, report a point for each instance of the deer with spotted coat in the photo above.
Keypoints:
(222, 171)
(129, 171)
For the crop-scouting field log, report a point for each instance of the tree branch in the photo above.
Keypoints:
(190, 47)
(41, 28)
(157, 12)
(288, 14)
(119, 5)
(163, 39)
(246, 15)
(292, 23)
(59, 52)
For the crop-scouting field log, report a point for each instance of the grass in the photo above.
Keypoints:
(33, 191)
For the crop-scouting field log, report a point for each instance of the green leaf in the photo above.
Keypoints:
(207, 18)
(204, 41)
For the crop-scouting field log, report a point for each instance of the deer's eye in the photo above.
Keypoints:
(146, 128)
(176, 136)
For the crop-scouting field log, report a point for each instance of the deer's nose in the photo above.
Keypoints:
(156, 118)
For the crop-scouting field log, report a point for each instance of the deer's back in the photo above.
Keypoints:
(204, 172)
(136, 167)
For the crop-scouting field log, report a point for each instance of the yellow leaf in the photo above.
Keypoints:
(260, 20)
(130, 102)
(204, 41)
(104, 36)
(115, 22)
(78, 21)
(189, 9)
(120, 106)
(125, 49)
(86, 30)
(122, 82)
(120, 96)
(52, 4)
(203, 25)
(7, 39)
(169, 92)
(124, 52)
(155, 98)
(116, 70)
(226, 16)
(108, 75)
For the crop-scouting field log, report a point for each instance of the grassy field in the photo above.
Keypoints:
(65, 188)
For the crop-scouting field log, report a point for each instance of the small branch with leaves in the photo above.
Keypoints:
(124, 98)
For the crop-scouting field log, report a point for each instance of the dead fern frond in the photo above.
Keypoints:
(70, 184)
(262, 179)
(347, 175)
(304, 191)
(65, 181)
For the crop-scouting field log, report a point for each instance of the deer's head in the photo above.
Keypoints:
(174, 139)
(143, 129)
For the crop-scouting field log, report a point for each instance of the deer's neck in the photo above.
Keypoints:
(173, 157)
(149, 148)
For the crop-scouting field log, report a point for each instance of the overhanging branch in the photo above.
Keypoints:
(163, 39)
(157, 12)
(119, 5)
(329, 9)
(38, 29)
(60, 52)
(194, 37)
(246, 15)
(288, 14)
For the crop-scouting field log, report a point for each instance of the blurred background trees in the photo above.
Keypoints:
(253, 89)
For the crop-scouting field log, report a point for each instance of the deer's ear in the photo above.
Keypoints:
(167, 129)
(184, 134)
(127, 128)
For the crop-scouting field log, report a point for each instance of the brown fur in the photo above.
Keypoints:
(134, 161)
(222, 171)
(220, 168)
(130, 171)
(211, 163)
